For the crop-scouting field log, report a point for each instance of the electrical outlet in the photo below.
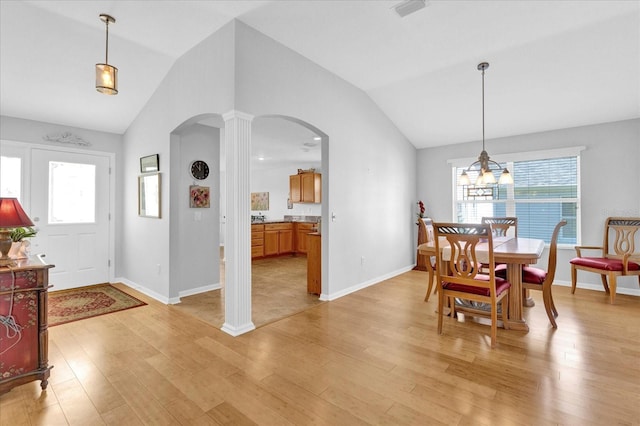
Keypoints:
(362, 261)
(159, 269)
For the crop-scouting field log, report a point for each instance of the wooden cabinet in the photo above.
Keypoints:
(314, 263)
(278, 238)
(23, 295)
(305, 188)
(301, 230)
(257, 241)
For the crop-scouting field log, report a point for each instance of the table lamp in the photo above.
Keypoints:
(11, 216)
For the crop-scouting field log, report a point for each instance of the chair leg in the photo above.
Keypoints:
(494, 326)
(548, 303)
(430, 270)
(440, 309)
(612, 284)
(553, 306)
(603, 277)
(574, 278)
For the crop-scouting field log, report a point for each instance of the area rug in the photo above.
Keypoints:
(86, 302)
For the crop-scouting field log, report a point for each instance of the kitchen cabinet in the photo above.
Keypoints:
(305, 188)
(23, 294)
(278, 238)
(314, 263)
(302, 229)
(257, 241)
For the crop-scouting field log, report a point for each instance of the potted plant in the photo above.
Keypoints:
(20, 246)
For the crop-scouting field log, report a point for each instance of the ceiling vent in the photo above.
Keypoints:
(407, 7)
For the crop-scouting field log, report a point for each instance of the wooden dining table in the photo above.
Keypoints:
(514, 252)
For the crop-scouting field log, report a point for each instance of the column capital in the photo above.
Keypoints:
(237, 114)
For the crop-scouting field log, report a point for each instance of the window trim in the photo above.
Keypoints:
(547, 154)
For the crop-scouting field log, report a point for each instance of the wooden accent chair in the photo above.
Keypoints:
(619, 256)
(425, 235)
(538, 279)
(460, 277)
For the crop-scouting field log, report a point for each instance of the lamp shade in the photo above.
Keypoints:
(12, 215)
(107, 79)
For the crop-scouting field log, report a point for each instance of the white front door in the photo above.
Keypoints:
(70, 208)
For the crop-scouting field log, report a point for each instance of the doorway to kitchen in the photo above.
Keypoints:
(280, 146)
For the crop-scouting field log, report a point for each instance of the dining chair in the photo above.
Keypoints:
(538, 279)
(501, 226)
(425, 235)
(460, 277)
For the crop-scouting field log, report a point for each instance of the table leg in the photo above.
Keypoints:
(516, 318)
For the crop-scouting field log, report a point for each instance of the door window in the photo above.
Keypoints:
(72, 197)
(10, 177)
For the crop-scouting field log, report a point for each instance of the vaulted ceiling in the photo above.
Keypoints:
(553, 64)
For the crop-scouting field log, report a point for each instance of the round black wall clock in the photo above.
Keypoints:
(199, 169)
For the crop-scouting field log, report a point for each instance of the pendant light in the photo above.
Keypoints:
(107, 75)
(485, 176)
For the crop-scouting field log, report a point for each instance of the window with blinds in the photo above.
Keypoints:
(544, 192)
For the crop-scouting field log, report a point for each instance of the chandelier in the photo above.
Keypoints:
(484, 163)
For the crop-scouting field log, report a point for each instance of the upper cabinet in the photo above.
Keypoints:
(305, 187)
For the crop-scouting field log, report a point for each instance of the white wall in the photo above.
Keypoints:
(200, 82)
(371, 176)
(609, 180)
(371, 166)
(195, 245)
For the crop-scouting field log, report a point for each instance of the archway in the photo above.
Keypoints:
(237, 136)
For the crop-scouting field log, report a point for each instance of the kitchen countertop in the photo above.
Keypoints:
(267, 221)
(288, 219)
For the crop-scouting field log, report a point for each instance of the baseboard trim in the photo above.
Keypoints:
(598, 287)
(360, 286)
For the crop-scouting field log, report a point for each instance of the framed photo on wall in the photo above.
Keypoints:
(150, 164)
(199, 196)
(259, 201)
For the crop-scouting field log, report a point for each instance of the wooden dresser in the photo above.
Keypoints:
(24, 355)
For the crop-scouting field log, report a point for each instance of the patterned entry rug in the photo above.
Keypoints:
(86, 302)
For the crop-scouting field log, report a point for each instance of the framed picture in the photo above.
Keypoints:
(149, 195)
(199, 197)
(149, 164)
(259, 201)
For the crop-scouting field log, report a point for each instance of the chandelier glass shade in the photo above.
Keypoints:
(107, 75)
(485, 165)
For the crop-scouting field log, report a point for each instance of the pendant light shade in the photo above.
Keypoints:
(107, 75)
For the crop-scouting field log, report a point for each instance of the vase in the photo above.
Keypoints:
(20, 249)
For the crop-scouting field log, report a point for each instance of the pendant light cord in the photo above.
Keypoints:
(106, 53)
(483, 109)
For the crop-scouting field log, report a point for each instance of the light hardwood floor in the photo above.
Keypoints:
(278, 289)
(372, 357)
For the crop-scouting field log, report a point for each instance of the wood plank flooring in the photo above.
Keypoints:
(372, 357)
(278, 289)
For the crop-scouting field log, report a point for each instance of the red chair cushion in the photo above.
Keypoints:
(529, 274)
(603, 263)
(501, 285)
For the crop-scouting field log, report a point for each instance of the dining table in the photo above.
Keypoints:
(512, 251)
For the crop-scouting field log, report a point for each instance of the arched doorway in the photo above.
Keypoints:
(272, 132)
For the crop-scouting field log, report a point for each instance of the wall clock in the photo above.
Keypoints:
(199, 169)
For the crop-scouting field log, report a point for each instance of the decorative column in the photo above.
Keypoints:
(237, 288)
